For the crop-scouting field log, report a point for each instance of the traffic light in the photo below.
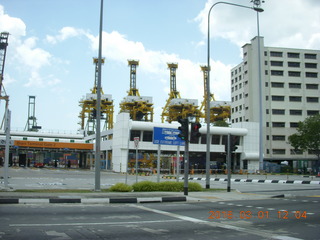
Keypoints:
(195, 134)
(184, 129)
(234, 141)
(94, 113)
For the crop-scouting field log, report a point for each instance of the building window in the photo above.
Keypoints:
(276, 63)
(294, 85)
(310, 65)
(293, 55)
(296, 152)
(278, 137)
(310, 56)
(312, 86)
(147, 136)
(294, 64)
(275, 54)
(277, 98)
(276, 73)
(203, 139)
(295, 112)
(278, 124)
(294, 99)
(312, 112)
(277, 84)
(279, 151)
(294, 74)
(313, 99)
(215, 139)
(133, 134)
(278, 111)
(294, 124)
(311, 74)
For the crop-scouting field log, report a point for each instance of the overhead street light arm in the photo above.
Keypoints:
(255, 8)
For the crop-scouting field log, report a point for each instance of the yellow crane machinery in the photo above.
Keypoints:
(3, 50)
(176, 106)
(88, 107)
(219, 110)
(139, 107)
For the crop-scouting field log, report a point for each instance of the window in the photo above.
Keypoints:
(295, 99)
(295, 112)
(293, 55)
(279, 151)
(311, 74)
(293, 64)
(203, 138)
(215, 139)
(310, 56)
(294, 124)
(278, 137)
(277, 84)
(295, 152)
(294, 85)
(277, 98)
(310, 65)
(276, 73)
(312, 112)
(313, 99)
(275, 54)
(147, 136)
(133, 134)
(277, 63)
(278, 111)
(294, 74)
(312, 86)
(278, 124)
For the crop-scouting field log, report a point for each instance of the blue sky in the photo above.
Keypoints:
(52, 43)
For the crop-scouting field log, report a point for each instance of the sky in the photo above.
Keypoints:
(52, 43)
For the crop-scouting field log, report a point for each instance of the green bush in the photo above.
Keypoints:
(120, 187)
(147, 186)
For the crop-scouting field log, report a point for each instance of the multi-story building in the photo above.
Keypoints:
(290, 93)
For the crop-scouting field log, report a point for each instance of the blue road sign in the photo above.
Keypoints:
(167, 136)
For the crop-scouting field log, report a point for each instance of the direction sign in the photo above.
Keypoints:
(167, 136)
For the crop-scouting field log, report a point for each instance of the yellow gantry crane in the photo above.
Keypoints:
(177, 107)
(219, 110)
(88, 107)
(139, 107)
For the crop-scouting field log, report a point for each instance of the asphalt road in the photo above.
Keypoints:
(289, 219)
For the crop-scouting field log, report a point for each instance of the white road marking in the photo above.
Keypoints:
(260, 233)
(88, 223)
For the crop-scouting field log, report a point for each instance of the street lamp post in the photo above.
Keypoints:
(255, 8)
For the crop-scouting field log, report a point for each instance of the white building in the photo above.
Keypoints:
(118, 145)
(290, 93)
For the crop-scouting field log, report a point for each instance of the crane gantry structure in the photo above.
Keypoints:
(3, 50)
(219, 110)
(139, 107)
(88, 107)
(177, 107)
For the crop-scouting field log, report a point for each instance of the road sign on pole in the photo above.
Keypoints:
(167, 136)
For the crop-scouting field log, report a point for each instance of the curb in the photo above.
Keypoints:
(91, 200)
(256, 180)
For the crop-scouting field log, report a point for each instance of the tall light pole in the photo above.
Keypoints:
(97, 162)
(255, 8)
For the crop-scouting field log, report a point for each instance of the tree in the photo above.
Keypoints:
(308, 136)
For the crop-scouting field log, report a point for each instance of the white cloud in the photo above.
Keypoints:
(15, 26)
(64, 34)
(285, 23)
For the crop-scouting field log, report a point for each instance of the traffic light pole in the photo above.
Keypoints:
(229, 163)
(186, 165)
